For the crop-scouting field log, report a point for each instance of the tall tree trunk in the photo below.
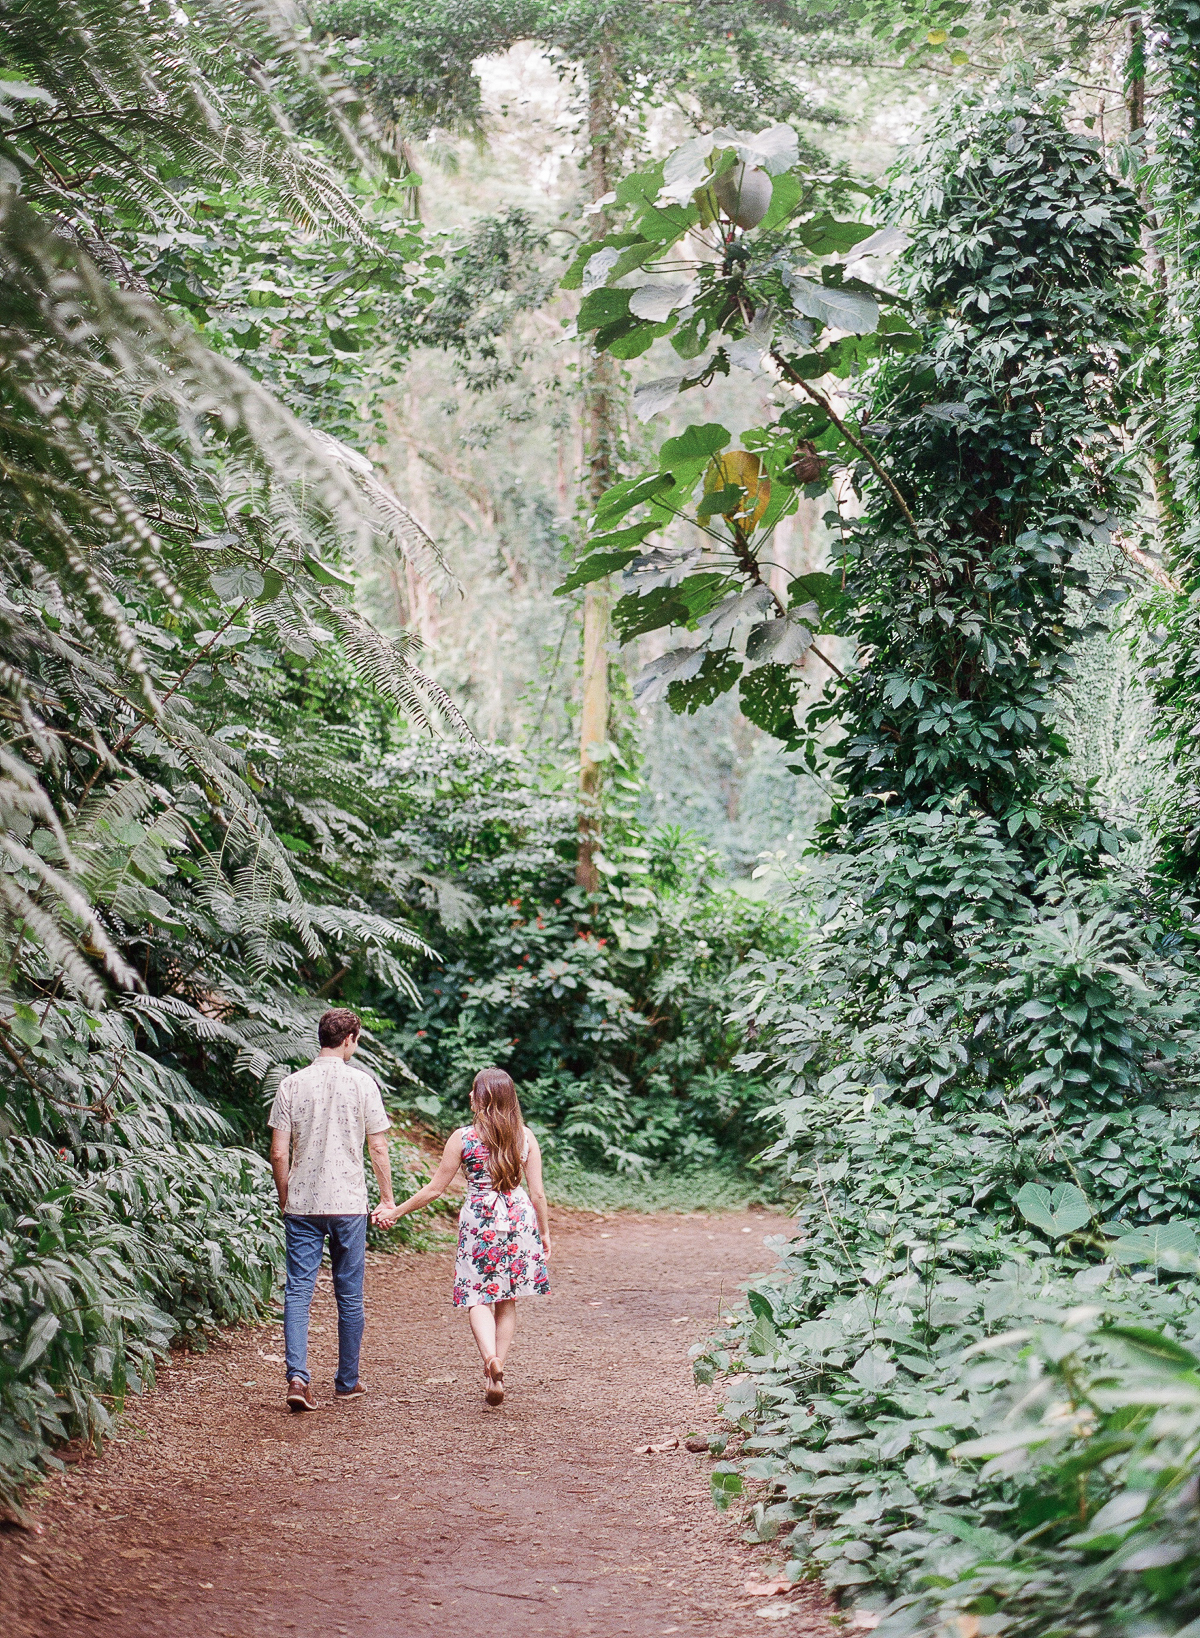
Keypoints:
(601, 435)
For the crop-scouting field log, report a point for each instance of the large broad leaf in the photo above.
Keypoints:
(1168, 1245)
(744, 605)
(768, 698)
(743, 472)
(41, 1334)
(603, 307)
(676, 666)
(573, 278)
(783, 641)
(874, 1370)
(695, 443)
(631, 339)
(1056, 1212)
(774, 150)
(241, 584)
(883, 243)
(715, 677)
(687, 456)
(624, 496)
(658, 301)
(598, 267)
(785, 196)
(652, 397)
(825, 590)
(680, 605)
(595, 568)
(851, 310)
(824, 235)
(686, 169)
(617, 540)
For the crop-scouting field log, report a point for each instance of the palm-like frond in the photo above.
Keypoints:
(160, 511)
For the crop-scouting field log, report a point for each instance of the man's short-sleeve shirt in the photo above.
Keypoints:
(329, 1109)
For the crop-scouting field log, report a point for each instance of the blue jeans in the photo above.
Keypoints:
(305, 1240)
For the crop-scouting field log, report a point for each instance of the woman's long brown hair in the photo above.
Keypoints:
(498, 1122)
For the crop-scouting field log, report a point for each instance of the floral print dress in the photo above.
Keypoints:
(500, 1251)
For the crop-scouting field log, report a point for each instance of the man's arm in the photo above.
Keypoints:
(280, 1167)
(381, 1165)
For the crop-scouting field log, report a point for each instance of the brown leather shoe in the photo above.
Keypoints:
(300, 1396)
(356, 1392)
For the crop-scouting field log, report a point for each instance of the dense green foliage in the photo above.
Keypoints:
(1002, 431)
(1171, 428)
(986, 1055)
(171, 536)
(609, 1011)
(729, 57)
(969, 1394)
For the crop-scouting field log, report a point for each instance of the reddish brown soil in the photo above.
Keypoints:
(416, 1511)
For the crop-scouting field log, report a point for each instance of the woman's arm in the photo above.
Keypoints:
(537, 1192)
(385, 1216)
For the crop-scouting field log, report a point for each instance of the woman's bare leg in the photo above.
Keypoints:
(483, 1329)
(506, 1324)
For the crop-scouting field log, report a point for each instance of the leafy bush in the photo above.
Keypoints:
(609, 1012)
(966, 1426)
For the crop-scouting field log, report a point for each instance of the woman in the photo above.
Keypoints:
(503, 1233)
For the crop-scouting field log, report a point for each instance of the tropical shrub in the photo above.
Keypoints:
(609, 1010)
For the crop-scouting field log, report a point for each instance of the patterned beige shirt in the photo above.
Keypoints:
(329, 1109)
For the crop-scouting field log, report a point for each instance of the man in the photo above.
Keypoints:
(323, 1114)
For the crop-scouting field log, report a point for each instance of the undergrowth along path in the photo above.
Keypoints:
(416, 1511)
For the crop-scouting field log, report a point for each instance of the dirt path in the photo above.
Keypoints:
(416, 1511)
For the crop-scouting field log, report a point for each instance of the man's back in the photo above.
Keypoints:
(329, 1109)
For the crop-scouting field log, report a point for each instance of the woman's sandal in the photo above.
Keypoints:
(494, 1377)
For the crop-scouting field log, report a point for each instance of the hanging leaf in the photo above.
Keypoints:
(783, 641)
(839, 309)
(769, 698)
(41, 1334)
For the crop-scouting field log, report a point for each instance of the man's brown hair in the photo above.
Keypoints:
(338, 1025)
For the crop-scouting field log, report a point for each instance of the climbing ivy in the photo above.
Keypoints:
(966, 598)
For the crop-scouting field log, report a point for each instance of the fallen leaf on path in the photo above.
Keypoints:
(606, 1236)
(273, 1359)
(439, 1381)
(865, 1618)
(767, 1589)
(657, 1450)
(778, 1612)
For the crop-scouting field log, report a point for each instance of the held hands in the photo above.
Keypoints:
(385, 1216)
